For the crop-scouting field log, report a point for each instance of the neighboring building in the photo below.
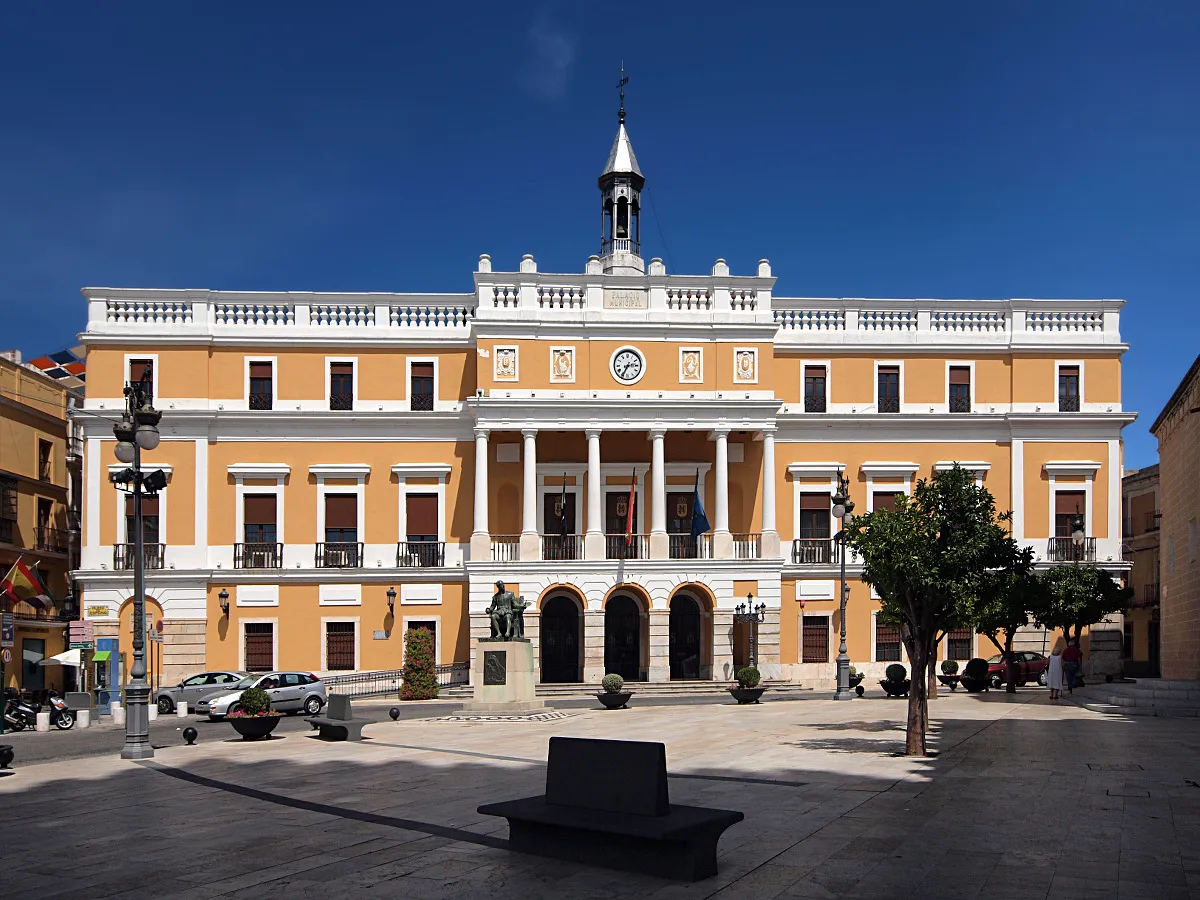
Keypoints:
(1140, 514)
(324, 448)
(1178, 431)
(38, 466)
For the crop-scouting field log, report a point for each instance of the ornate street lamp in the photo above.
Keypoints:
(223, 600)
(843, 509)
(391, 597)
(752, 615)
(138, 431)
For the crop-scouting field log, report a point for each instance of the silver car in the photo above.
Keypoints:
(290, 692)
(193, 690)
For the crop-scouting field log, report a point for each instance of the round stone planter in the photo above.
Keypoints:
(896, 688)
(950, 681)
(614, 701)
(253, 728)
(746, 695)
(973, 685)
(856, 680)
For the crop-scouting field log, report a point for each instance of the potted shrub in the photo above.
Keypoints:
(975, 675)
(895, 682)
(420, 666)
(253, 717)
(949, 676)
(613, 697)
(856, 678)
(747, 690)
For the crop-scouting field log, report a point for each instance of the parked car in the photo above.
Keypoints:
(193, 690)
(290, 692)
(1030, 667)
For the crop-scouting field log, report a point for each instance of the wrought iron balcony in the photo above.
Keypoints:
(683, 546)
(8, 531)
(1150, 594)
(341, 401)
(257, 555)
(889, 404)
(1064, 549)
(264, 401)
(125, 557)
(816, 551)
(53, 540)
(339, 555)
(420, 554)
(960, 404)
(562, 546)
(1069, 403)
(814, 404)
(421, 402)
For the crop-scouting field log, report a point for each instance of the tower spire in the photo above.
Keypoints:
(621, 87)
(621, 185)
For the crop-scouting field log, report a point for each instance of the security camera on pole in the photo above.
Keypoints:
(138, 431)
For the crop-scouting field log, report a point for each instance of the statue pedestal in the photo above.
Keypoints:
(504, 680)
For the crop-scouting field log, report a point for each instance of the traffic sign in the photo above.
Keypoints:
(5, 656)
(8, 630)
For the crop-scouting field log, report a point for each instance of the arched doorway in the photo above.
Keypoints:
(623, 638)
(558, 641)
(684, 648)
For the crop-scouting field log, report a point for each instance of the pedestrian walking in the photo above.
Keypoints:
(1054, 674)
(1072, 658)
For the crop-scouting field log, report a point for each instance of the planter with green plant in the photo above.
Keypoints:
(613, 696)
(949, 676)
(748, 689)
(895, 682)
(975, 676)
(419, 675)
(856, 677)
(252, 716)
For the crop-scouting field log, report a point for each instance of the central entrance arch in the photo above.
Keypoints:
(623, 638)
(684, 638)
(559, 641)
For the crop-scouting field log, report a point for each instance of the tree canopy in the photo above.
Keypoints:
(1078, 596)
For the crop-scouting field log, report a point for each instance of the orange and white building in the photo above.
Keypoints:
(321, 449)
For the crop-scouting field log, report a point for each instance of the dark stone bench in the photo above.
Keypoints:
(606, 804)
(338, 723)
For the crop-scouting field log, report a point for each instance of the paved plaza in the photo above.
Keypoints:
(1024, 799)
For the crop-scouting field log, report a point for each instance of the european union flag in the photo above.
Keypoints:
(700, 523)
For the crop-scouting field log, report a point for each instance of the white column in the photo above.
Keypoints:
(722, 541)
(770, 539)
(593, 541)
(481, 541)
(530, 543)
(659, 542)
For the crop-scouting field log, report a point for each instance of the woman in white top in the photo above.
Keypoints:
(1054, 674)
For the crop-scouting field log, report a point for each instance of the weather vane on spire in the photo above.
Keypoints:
(621, 87)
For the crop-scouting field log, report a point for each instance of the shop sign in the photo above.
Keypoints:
(8, 630)
(98, 612)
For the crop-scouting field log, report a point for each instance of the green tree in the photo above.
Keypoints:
(1009, 595)
(1080, 596)
(420, 668)
(925, 559)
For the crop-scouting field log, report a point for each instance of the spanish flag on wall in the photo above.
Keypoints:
(22, 584)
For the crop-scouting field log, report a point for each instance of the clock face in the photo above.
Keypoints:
(627, 365)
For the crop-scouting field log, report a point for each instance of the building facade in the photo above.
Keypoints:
(39, 477)
(1178, 431)
(1143, 617)
(552, 431)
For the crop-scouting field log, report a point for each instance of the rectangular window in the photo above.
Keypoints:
(958, 644)
(341, 518)
(260, 524)
(884, 500)
(142, 370)
(814, 389)
(1068, 389)
(44, 510)
(341, 385)
(150, 533)
(421, 387)
(889, 389)
(45, 452)
(960, 389)
(814, 516)
(8, 510)
(262, 393)
(887, 642)
(421, 514)
(816, 639)
(339, 646)
(259, 646)
(1068, 505)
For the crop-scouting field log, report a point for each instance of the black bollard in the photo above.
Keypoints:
(6, 755)
(394, 712)
(190, 734)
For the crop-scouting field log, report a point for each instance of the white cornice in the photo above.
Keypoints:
(612, 414)
(340, 470)
(422, 470)
(1079, 468)
(815, 469)
(946, 465)
(875, 469)
(259, 470)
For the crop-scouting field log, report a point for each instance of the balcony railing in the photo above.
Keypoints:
(341, 401)
(339, 555)
(1152, 520)
(619, 245)
(815, 551)
(262, 401)
(421, 402)
(960, 404)
(814, 404)
(257, 555)
(683, 546)
(53, 540)
(420, 554)
(620, 546)
(124, 556)
(1069, 403)
(889, 404)
(1150, 594)
(747, 546)
(562, 546)
(506, 547)
(1064, 549)
(74, 448)
(8, 531)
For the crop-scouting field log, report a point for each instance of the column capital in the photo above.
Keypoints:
(768, 430)
(657, 433)
(593, 432)
(529, 432)
(717, 433)
(481, 432)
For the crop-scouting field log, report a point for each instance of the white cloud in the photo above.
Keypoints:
(550, 56)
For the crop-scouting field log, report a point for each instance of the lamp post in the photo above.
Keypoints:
(843, 508)
(752, 615)
(138, 431)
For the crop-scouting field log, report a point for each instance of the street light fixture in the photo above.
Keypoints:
(138, 431)
(391, 595)
(752, 615)
(223, 599)
(843, 509)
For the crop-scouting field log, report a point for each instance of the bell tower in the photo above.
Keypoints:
(621, 185)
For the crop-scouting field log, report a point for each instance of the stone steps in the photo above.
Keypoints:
(654, 689)
(1149, 697)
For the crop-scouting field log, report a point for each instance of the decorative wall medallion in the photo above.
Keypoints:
(562, 364)
(627, 365)
(622, 507)
(681, 508)
(691, 367)
(505, 364)
(745, 365)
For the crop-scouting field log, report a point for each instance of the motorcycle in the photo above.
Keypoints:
(60, 717)
(20, 714)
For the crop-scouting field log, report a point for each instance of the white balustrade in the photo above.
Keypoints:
(689, 299)
(506, 296)
(887, 320)
(811, 319)
(743, 300)
(430, 316)
(968, 321)
(568, 297)
(149, 312)
(268, 315)
(1066, 320)
(327, 315)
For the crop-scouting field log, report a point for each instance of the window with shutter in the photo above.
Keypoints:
(814, 515)
(960, 389)
(815, 648)
(958, 644)
(143, 370)
(884, 500)
(1068, 389)
(421, 512)
(341, 518)
(260, 522)
(339, 646)
(149, 520)
(887, 642)
(341, 385)
(259, 641)
(814, 389)
(421, 387)
(261, 386)
(1068, 505)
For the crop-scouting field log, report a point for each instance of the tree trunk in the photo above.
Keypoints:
(931, 682)
(918, 709)
(1010, 665)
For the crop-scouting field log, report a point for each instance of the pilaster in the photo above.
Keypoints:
(722, 643)
(660, 645)
(593, 646)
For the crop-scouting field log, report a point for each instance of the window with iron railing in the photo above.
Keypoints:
(959, 389)
(1068, 388)
(887, 643)
(815, 642)
(262, 385)
(958, 644)
(889, 389)
(259, 646)
(814, 389)
(421, 387)
(339, 646)
(341, 385)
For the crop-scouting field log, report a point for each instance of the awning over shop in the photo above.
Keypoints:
(67, 658)
(101, 656)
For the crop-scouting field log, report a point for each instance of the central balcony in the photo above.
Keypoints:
(420, 554)
(257, 555)
(821, 551)
(339, 555)
(1064, 549)
(125, 556)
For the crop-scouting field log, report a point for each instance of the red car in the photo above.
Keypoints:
(1029, 666)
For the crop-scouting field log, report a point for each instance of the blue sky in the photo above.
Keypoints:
(894, 149)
